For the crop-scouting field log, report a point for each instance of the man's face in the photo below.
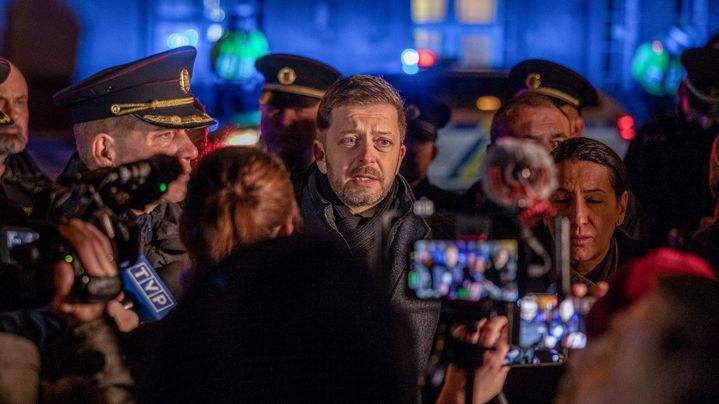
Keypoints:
(145, 141)
(623, 365)
(544, 125)
(361, 154)
(585, 196)
(289, 132)
(13, 102)
(420, 154)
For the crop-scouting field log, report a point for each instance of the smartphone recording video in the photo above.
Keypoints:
(464, 270)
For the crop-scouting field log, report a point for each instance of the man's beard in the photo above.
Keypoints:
(11, 140)
(354, 197)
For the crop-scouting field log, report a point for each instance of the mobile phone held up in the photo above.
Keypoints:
(459, 270)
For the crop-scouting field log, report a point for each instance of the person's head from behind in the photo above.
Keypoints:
(592, 192)
(14, 104)
(236, 196)
(361, 129)
(533, 117)
(662, 349)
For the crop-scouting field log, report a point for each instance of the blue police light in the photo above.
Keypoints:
(214, 32)
(410, 69)
(188, 37)
(410, 57)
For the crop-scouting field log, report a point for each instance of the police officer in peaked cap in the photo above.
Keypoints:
(565, 87)
(425, 117)
(669, 158)
(289, 101)
(131, 112)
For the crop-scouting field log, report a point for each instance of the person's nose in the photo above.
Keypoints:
(288, 116)
(8, 110)
(186, 150)
(367, 153)
(578, 212)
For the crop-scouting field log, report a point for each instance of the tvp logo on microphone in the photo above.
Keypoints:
(154, 297)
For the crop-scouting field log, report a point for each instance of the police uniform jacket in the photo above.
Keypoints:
(668, 163)
(416, 320)
(443, 199)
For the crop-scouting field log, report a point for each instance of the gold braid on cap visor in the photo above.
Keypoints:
(555, 94)
(294, 89)
(124, 109)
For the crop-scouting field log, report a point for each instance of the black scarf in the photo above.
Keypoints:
(364, 235)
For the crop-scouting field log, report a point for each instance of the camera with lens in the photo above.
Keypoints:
(102, 197)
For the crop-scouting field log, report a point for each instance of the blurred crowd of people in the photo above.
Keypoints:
(279, 273)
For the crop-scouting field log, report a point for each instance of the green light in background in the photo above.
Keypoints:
(163, 187)
(68, 259)
(649, 66)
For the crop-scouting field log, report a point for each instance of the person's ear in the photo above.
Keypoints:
(283, 230)
(402, 152)
(578, 127)
(102, 151)
(434, 152)
(318, 151)
(622, 208)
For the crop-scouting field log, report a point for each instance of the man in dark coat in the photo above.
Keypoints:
(357, 197)
(668, 160)
(129, 113)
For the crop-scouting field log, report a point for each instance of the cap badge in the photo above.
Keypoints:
(533, 81)
(185, 81)
(412, 112)
(286, 76)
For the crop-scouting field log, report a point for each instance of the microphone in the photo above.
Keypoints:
(150, 297)
(517, 174)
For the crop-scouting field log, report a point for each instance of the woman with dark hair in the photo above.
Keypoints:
(592, 192)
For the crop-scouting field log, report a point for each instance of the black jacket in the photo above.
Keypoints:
(668, 164)
(416, 320)
(283, 320)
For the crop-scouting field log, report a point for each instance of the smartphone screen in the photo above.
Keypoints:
(546, 324)
(13, 237)
(464, 270)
